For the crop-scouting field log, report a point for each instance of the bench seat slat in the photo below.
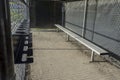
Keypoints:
(83, 41)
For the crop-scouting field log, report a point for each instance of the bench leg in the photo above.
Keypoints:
(68, 38)
(58, 30)
(92, 56)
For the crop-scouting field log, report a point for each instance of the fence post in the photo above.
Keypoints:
(6, 51)
(85, 18)
(94, 20)
(63, 14)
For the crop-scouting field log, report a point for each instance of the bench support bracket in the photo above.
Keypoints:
(68, 38)
(58, 30)
(92, 56)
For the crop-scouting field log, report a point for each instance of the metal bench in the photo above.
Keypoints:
(95, 49)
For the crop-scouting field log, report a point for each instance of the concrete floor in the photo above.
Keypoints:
(57, 59)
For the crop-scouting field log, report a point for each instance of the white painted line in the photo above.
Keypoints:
(24, 57)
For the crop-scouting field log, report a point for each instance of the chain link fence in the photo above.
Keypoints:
(19, 16)
(74, 16)
(18, 12)
(102, 22)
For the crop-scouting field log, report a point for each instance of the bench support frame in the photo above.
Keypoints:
(68, 37)
(92, 56)
(93, 47)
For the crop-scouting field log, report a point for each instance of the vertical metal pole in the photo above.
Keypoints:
(63, 14)
(85, 18)
(6, 51)
(94, 19)
(54, 13)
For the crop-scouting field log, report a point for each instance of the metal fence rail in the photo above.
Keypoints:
(102, 22)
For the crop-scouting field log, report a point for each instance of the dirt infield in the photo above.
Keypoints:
(57, 59)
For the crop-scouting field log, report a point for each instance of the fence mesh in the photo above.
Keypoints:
(18, 13)
(19, 20)
(102, 23)
(74, 16)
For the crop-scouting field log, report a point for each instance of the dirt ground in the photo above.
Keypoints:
(57, 59)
